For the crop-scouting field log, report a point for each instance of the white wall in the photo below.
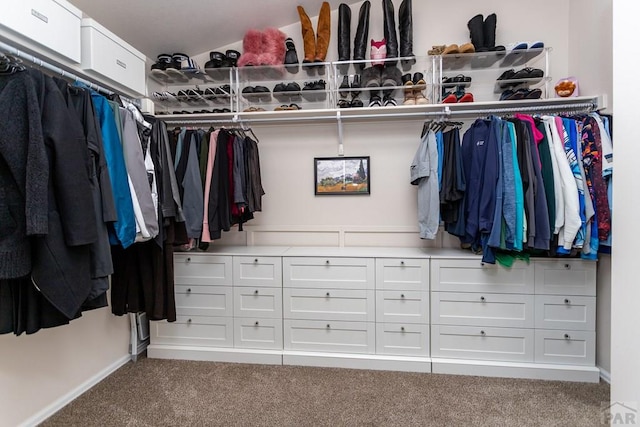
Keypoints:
(625, 269)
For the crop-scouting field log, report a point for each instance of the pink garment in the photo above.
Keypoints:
(537, 135)
(213, 143)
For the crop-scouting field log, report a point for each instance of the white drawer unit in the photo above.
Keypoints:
(257, 302)
(202, 269)
(329, 336)
(204, 300)
(258, 333)
(565, 277)
(107, 55)
(328, 273)
(257, 271)
(566, 347)
(329, 304)
(482, 343)
(471, 309)
(53, 24)
(402, 274)
(194, 331)
(402, 307)
(464, 275)
(565, 312)
(402, 339)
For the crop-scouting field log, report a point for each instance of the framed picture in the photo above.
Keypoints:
(342, 175)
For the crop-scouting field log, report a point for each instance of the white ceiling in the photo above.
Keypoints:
(192, 26)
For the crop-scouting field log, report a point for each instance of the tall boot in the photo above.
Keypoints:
(489, 32)
(361, 40)
(405, 29)
(476, 32)
(308, 36)
(323, 32)
(344, 36)
(390, 35)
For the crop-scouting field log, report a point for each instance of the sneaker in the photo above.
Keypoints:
(375, 101)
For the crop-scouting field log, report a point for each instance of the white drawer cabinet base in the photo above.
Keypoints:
(212, 354)
(354, 361)
(536, 371)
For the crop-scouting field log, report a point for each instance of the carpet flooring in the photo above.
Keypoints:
(153, 392)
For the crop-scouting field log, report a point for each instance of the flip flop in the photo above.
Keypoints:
(514, 52)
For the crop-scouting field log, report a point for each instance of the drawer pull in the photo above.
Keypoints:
(401, 262)
(483, 333)
(566, 301)
(188, 290)
(328, 294)
(188, 320)
(567, 266)
(567, 337)
(255, 260)
(255, 292)
(257, 323)
(40, 16)
(482, 299)
(401, 295)
(328, 326)
(189, 259)
(327, 261)
(402, 328)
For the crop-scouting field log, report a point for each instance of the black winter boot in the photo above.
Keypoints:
(344, 32)
(361, 40)
(476, 32)
(405, 27)
(389, 27)
(489, 31)
(371, 77)
(291, 57)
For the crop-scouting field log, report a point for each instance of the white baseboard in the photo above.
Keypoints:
(605, 376)
(73, 394)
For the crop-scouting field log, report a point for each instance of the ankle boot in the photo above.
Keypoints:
(342, 89)
(291, 57)
(323, 32)
(389, 27)
(476, 32)
(405, 29)
(419, 84)
(362, 34)
(409, 97)
(356, 85)
(308, 36)
(344, 32)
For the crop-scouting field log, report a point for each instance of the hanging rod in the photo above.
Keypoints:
(586, 106)
(57, 70)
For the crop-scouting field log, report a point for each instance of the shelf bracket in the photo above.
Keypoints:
(340, 134)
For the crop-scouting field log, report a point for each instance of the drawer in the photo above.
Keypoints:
(53, 24)
(480, 343)
(329, 336)
(332, 304)
(464, 308)
(201, 269)
(257, 271)
(402, 306)
(107, 55)
(402, 340)
(257, 333)
(331, 273)
(464, 275)
(566, 347)
(402, 274)
(570, 312)
(194, 330)
(257, 302)
(565, 277)
(204, 300)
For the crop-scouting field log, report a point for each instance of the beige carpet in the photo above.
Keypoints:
(155, 392)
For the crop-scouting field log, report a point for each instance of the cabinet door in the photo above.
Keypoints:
(257, 271)
(328, 273)
(402, 307)
(402, 274)
(565, 277)
(257, 302)
(204, 300)
(329, 304)
(402, 339)
(202, 269)
(565, 312)
(329, 336)
(464, 275)
(194, 330)
(465, 308)
(258, 333)
(566, 347)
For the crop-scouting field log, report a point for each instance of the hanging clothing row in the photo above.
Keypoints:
(519, 185)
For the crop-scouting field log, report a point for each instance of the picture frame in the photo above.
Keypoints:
(342, 176)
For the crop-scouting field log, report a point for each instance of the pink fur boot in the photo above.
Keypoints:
(252, 48)
(273, 47)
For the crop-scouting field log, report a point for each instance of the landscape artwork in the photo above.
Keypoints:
(342, 176)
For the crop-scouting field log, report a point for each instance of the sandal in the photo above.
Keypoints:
(344, 103)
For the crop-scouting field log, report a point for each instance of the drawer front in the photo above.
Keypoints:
(402, 307)
(402, 274)
(566, 312)
(194, 330)
(402, 340)
(464, 308)
(566, 347)
(329, 273)
(329, 336)
(257, 271)
(257, 333)
(565, 277)
(332, 304)
(216, 301)
(257, 302)
(463, 275)
(52, 24)
(480, 343)
(192, 269)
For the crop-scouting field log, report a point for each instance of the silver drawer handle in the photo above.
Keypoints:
(188, 320)
(567, 337)
(402, 328)
(255, 260)
(328, 326)
(482, 298)
(257, 323)
(327, 261)
(188, 290)
(328, 294)
(567, 266)
(255, 292)
(482, 333)
(566, 301)
(189, 259)
(401, 262)
(401, 295)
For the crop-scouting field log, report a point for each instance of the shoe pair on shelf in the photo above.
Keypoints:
(218, 62)
(284, 92)
(286, 107)
(459, 96)
(350, 87)
(387, 100)
(256, 93)
(522, 52)
(510, 79)
(314, 91)
(413, 89)
(177, 67)
(511, 95)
